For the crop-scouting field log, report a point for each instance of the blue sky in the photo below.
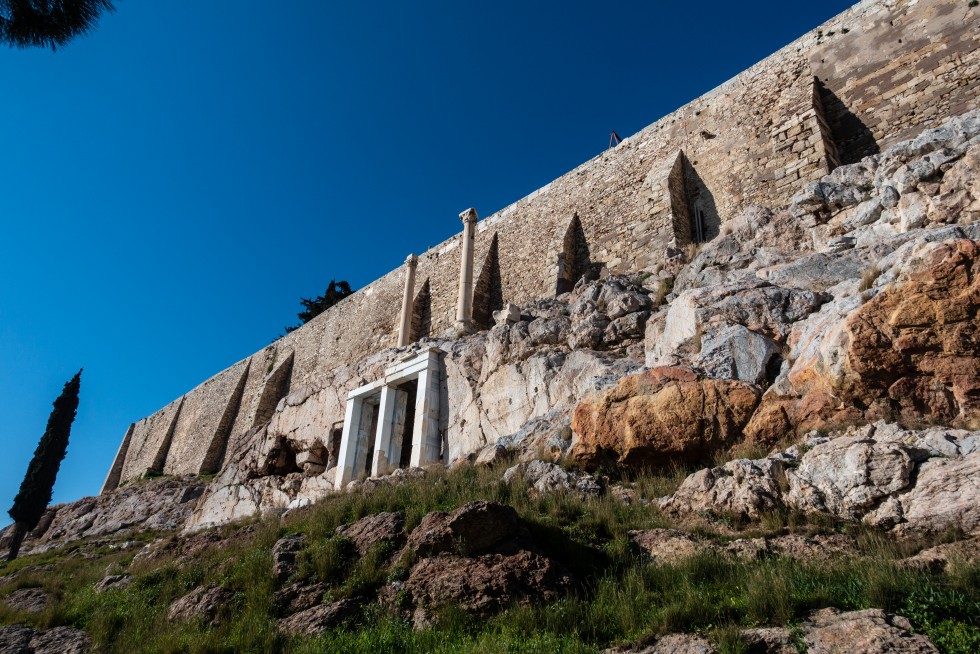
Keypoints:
(174, 182)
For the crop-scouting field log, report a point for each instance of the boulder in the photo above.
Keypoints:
(373, 529)
(510, 314)
(487, 583)
(318, 619)
(546, 477)
(204, 603)
(112, 582)
(659, 417)
(743, 488)
(915, 481)
(474, 527)
(735, 352)
(299, 597)
(29, 600)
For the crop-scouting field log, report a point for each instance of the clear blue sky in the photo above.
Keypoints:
(174, 182)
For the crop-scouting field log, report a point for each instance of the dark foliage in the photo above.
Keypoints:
(313, 307)
(43, 23)
(35, 490)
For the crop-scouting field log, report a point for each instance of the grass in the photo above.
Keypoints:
(621, 597)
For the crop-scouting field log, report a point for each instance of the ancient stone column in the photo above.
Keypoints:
(464, 309)
(408, 300)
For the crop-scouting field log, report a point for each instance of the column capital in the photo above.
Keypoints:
(469, 216)
(412, 260)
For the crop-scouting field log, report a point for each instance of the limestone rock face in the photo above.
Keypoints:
(893, 478)
(912, 352)
(661, 416)
(158, 504)
(735, 331)
(915, 348)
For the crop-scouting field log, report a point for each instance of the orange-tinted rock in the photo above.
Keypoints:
(661, 416)
(912, 354)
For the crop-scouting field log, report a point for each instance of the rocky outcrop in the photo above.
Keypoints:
(387, 528)
(873, 631)
(827, 631)
(670, 644)
(911, 353)
(546, 477)
(487, 583)
(204, 603)
(156, 504)
(472, 528)
(28, 600)
(284, 554)
(659, 417)
(921, 481)
(20, 639)
(666, 545)
(299, 597)
(735, 331)
(316, 620)
(672, 545)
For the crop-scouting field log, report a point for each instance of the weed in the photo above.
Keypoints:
(868, 279)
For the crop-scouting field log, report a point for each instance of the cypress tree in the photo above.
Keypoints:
(35, 490)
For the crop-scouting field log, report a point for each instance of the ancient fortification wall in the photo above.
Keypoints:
(865, 79)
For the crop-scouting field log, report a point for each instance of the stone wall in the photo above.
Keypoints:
(865, 79)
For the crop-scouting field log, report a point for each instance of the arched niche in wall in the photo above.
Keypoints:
(276, 387)
(694, 215)
(851, 139)
(488, 292)
(422, 312)
(574, 258)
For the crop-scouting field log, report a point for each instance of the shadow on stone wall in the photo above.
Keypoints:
(694, 214)
(422, 313)
(701, 203)
(854, 140)
(488, 293)
(575, 258)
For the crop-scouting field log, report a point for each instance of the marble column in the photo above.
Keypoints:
(426, 444)
(464, 309)
(389, 432)
(348, 443)
(408, 302)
